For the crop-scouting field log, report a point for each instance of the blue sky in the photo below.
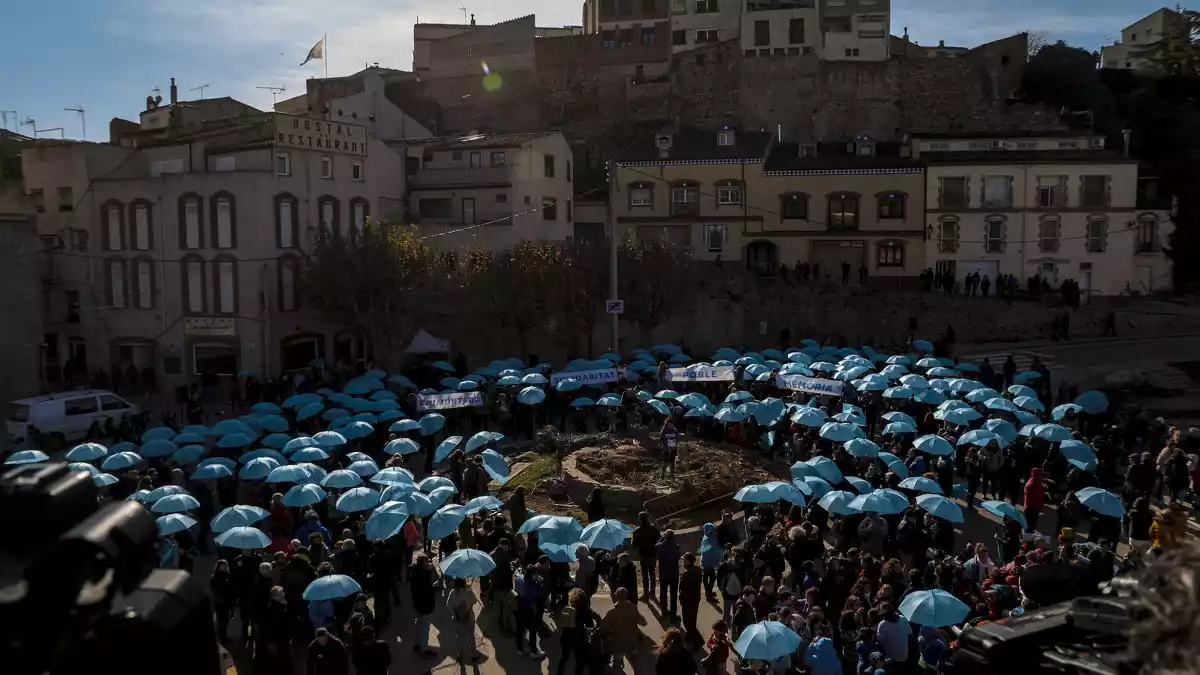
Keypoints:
(107, 55)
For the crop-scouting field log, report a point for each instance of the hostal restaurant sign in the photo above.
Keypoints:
(310, 133)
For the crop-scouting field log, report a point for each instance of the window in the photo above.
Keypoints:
(679, 37)
(39, 199)
(570, 175)
(715, 237)
(1093, 191)
(625, 37)
(286, 225)
(1049, 234)
(937, 145)
(794, 205)
(66, 199)
(948, 235)
(225, 164)
(641, 194)
(608, 39)
(648, 36)
(456, 156)
(110, 402)
(548, 160)
(141, 226)
(328, 210)
(501, 198)
(852, 52)
(358, 215)
(1052, 191)
(891, 254)
(725, 137)
(326, 167)
(843, 211)
(995, 234)
(470, 50)
(1097, 234)
(1147, 234)
(412, 165)
(762, 33)
(796, 31)
(549, 208)
(729, 195)
(287, 284)
(225, 291)
(997, 192)
(1027, 145)
(954, 193)
(1068, 145)
(356, 171)
(283, 164)
(114, 226)
(84, 405)
(499, 159)
(143, 279)
(224, 221)
(191, 236)
(435, 207)
(705, 35)
(116, 283)
(891, 205)
(685, 200)
(72, 298)
(193, 285)
(707, 6)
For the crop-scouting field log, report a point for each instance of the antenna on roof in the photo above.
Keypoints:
(200, 89)
(82, 118)
(463, 9)
(275, 92)
(4, 118)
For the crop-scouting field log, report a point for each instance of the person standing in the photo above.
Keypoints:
(1010, 371)
(221, 588)
(1035, 498)
(575, 620)
(326, 655)
(893, 634)
(845, 273)
(669, 437)
(462, 601)
(371, 655)
(691, 581)
(674, 657)
(421, 579)
(621, 628)
(668, 574)
(644, 539)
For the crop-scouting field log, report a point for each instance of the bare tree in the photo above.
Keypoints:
(1036, 40)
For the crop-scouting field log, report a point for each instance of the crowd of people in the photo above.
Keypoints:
(836, 576)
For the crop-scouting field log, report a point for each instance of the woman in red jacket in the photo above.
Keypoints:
(1035, 498)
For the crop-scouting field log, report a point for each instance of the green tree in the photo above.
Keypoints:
(1177, 53)
(380, 283)
(1062, 76)
(656, 279)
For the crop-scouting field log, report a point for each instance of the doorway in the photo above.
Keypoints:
(761, 258)
(468, 210)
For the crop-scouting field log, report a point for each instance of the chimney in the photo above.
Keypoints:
(941, 43)
(472, 19)
(174, 92)
(906, 33)
(1126, 138)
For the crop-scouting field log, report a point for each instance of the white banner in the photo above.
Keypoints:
(809, 385)
(701, 374)
(464, 399)
(586, 376)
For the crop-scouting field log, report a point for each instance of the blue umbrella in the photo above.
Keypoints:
(1052, 432)
(212, 472)
(982, 394)
(495, 465)
(357, 429)
(979, 437)
(826, 469)
(235, 440)
(894, 464)
(263, 452)
(729, 416)
(393, 475)
(582, 402)
(1061, 411)
(390, 415)
(434, 422)
(161, 447)
(188, 454)
(921, 484)
(163, 433)
(444, 365)
(738, 396)
(80, 466)
(1026, 376)
(446, 447)
(534, 378)
(880, 502)
(402, 381)
(224, 461)
(172, 523)
(329, 439)
(298, 444)
(560, 530)
(310, 410)
(165, 491)
(86, 452)
(509, 381)
(606, 534)
(364, 468)
(839, 431)
(1001, 404)
(756, 494)
(1079, 454)
(767, 641)
(609, 400)
(959, 416)
(331, 587)
(935, 608)
(310, 455)
(1029, 403)
(467, 563)
(385, 524)
(800, 469)
(859, 484)
(929, 397)
(809, 417)
(701, 412)
(198, 429)
(899, 428)
(342, 478)
(915, 382)
(1101, 501)
(941, 507)
(300, 400)
(659, 407)
(292, 473)
(1004, 510)
(239, 515)
(402, 446)
(1019, 390)
(358, 499)
(175, 504)
(300, 496)
(467, 385)
(693, 400)
(104, 479)
(115, 462)
(139, 496)
(813, 485)
(569, 384)
(1005, 430)
(258, 469)
(189, 437)
(273, 423)
(123, 446)
(560, 553)
(226, 427)
(788, 492)
(482, 439)
(487, 502)
(861, 447)
(445, 521)
(243, 537)
(266, 407)
(901, 392)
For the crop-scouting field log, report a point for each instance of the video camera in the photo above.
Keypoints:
(79, 589)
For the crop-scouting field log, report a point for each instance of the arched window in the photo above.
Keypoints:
(193, 274)
(359, 212)
(145, 286)
(843, 211)
(224, 220)
(948, 235)
(890, 253)
(1147, 233)
(730, 192)
(995, 233)
(1097, 234)
(141, 225)
(685, 198)
(116, 283)
(287, 221)
(1049, 233)
(891, 205)
(191, 219)
(289, 297)
(793, 206)
(112, 217)
(225, 285)
(327, 214)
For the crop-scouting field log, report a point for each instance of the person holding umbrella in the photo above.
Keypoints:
(462, 601)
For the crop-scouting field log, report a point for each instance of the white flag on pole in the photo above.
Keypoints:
(317, 51)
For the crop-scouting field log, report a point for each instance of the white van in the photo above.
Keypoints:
(68, 413)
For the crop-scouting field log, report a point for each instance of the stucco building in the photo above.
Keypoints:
(1058, 205)
(1128, 52)
(835, 30)
(695, 23)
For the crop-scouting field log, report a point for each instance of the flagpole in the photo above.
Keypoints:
(325, 39)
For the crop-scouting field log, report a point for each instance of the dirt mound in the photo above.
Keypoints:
(698, 462)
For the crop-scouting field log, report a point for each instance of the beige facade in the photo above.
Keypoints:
(491, 191)
(190, 245)
(695, 23)
(781, 29)
(1060, 207)
(763, 205)
(1127, 53)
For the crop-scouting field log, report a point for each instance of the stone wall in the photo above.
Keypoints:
(20, 311)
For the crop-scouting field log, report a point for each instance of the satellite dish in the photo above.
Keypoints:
(158, 100)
